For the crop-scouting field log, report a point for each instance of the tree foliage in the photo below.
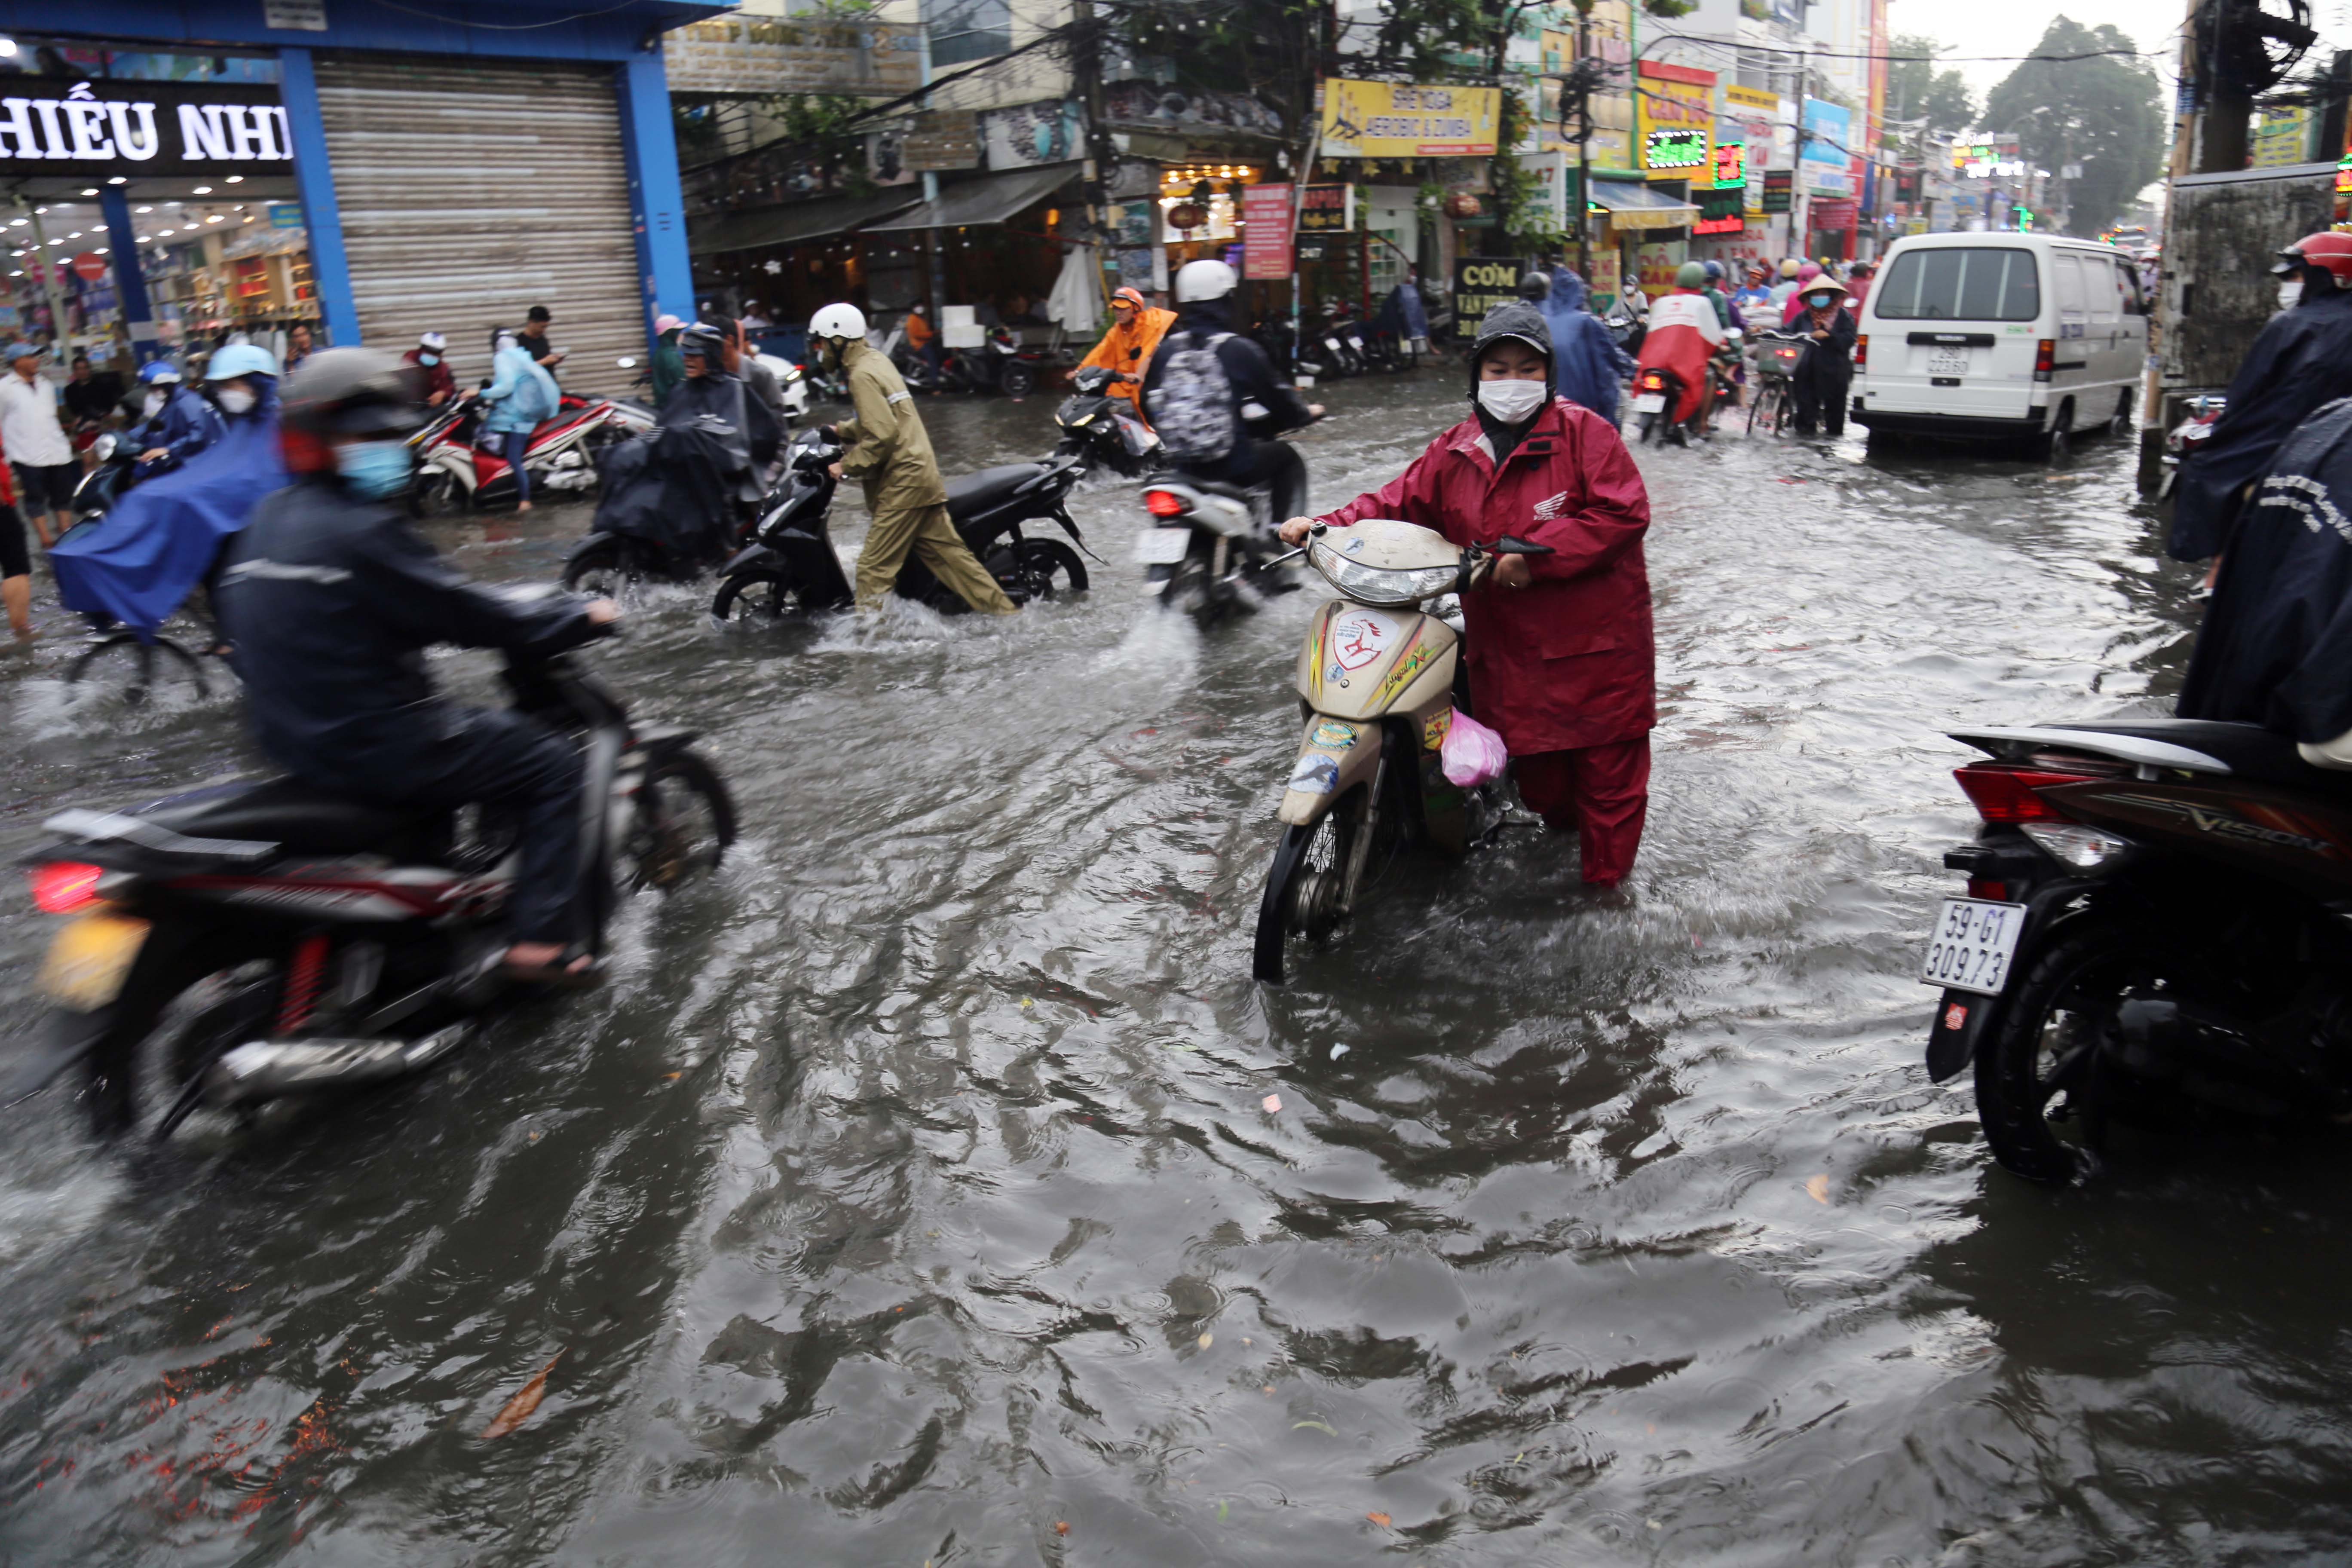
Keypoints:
(2104, 113)
(1916, 89)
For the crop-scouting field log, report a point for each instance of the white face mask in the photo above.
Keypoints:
(155, 404)
(1512, 401)
(236, 399)
(2290, 293)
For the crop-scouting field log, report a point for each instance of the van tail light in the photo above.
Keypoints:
(2045, 359)
(1862, 352)
(1163, 503)
(62, 886)
(2004, 791)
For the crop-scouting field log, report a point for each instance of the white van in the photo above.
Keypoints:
(2000, 336)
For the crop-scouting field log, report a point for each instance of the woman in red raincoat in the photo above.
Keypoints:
(1685, 331)
(1561, 654)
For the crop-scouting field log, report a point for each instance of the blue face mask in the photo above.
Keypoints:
(428, 359)
(374, 470)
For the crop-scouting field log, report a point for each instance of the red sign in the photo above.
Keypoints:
(1730, 164)
(91, 265)
(1266, 231)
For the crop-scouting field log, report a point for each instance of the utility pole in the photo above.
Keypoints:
(935, 272)
(2224, 108)
(1584, 143)
(1801, 202)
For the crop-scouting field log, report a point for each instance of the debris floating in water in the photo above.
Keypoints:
(1272, 1102)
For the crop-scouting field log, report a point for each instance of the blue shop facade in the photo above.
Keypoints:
(178, 173)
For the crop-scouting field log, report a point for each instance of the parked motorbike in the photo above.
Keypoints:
(1101, 428)
(1000, 363)
(2183, 439)
(1376, 678)
(324, 946)
(455, 474)
(790, 566)
(2153, 933)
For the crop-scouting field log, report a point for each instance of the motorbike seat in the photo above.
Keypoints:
(1219, 487)
(2248, 750)
(977, 492)
(290, 814)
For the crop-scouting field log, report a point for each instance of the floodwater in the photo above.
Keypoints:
(937, 1187)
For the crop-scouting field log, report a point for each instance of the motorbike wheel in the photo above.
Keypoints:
(436, 493)
(684, 821)
(120, 667)
(1308, 890)
(756, 595)
(1038, 569)
(603, 567)
(1019, 380)
(2047, 1045)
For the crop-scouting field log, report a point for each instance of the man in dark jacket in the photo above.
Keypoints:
(1261, 406)
(2301, 359)
(332, 598)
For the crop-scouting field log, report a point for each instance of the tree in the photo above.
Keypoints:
(2104, 113)
(1916, 89)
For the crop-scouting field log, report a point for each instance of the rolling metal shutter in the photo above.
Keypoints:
(471, 193)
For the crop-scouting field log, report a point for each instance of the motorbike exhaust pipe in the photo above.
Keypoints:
(269, 1069)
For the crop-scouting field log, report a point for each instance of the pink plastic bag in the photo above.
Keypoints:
(1472, 754)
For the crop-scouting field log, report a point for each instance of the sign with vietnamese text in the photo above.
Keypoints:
(1389, 119)
(793, 54)
(1327, 209)
(1731, 166)
(1829, 133)
(1720, 211)
(50, 126)
(1674, 128)
(1482, 283)
(1779, 187)
(1266, 231)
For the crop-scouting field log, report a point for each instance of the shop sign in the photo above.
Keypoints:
(2343, 173)
(1656, 264)
(2281, 137)
(1731, 166)
(1266, 231)
(942, 139)
(285, 215)
(798, 53)
(1674, 128)
(1720, 211)
(1553, 177)
(1155, 107)
(1387, 120)
(1482, 283)
(1764, 104)
(49, 126)
(1780, 188)
(1829, 133)
(1327, 209)
(1033, 134)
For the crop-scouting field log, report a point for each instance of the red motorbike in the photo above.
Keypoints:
(455, 472)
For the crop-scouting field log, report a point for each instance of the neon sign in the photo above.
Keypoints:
(1673, 149)
(1730, 164)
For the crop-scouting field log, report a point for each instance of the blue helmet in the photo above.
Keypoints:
(240, 359)
(1715, 273)
(159, 373)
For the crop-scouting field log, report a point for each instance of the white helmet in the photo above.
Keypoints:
(838, 322)
(1198, 280)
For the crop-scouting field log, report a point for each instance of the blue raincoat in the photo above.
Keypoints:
(1588, 363)
(521, 395)
(185, 425)
(138, 561)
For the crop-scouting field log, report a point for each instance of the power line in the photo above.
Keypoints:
(1899, 59)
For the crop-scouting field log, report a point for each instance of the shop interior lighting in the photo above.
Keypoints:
(146, 239)
(7, 48)
(15, 223)
(167, 233)
(212, 217)
(118, 179)
(144, 209)
(236, 179)
(204, 190)
(91, 192)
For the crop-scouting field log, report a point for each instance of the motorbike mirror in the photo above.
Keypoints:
(1507, 545)
(627, 362)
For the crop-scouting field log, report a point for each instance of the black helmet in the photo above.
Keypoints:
(1523, 322)
(703, 340)
(352, 392)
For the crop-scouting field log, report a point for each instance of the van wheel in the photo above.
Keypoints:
(2057, 445)
(2123, 425)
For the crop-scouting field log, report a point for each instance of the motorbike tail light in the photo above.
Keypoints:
(2003, 792)
(2045, 359)
(62, 886)
(1163, 503)
(1988, 888)
(1862, 352)
(1653, 381)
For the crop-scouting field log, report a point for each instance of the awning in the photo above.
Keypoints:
(992, 198)
(1639, 207)
(797, 223)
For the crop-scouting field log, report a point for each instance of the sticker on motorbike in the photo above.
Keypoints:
(90, 960)
(1335, 735)
(1359, 636)
(1433, 729)
(1315, 775)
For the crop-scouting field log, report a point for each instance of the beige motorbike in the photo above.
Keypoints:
(1377, 686)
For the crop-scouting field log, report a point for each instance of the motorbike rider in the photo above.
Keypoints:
(890, 452)
(741, 361)
(176, 422)
(1825, 374)
(710, 389)
(334, 599)
(1559, 652)
(431, 358)
(1251, 400)
(1136, 328)
(1684, 334)
(2301, 361)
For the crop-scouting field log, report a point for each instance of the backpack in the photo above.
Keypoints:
(1193, 406)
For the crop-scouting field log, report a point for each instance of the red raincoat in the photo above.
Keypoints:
(1569, 660)
(1684, 334)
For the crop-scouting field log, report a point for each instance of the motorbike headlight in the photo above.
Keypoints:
(1080, 423)
(1374, 585)
(104, 446)
(2085, 849)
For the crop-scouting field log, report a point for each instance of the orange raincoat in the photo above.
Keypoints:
(1128, 349)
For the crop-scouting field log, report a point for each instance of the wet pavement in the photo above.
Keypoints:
(937, 1187)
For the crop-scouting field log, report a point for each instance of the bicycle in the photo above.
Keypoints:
(1778, 355)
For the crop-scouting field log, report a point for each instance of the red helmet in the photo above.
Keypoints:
(2327, 248)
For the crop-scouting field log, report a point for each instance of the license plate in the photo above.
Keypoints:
(1972, 945)
(1649, 402)
(90, 959)
(1163, 546)
(1948, 362)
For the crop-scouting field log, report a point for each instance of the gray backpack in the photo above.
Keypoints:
(1193, 406)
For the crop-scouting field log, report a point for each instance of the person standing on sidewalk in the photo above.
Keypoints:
(890, 452)
(36, 443)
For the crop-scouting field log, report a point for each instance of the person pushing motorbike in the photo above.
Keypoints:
(1560, 652)
(2301, 360)
(890, 453)
(332, 598)
(1215, 399)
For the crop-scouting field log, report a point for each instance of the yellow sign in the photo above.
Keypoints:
(1754, 98)
(1674, 129)
(1385, 120)
(2281, 137)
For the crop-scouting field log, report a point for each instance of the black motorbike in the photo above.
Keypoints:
(1102, 429)
(790, 566)
(94, 496)
(2154, 933)
(321, 944)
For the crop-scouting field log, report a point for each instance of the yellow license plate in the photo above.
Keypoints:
(90, 960)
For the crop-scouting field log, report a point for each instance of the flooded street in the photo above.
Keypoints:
(937, 1187)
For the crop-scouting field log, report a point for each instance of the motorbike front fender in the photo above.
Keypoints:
(751, 558)
(1334, 756)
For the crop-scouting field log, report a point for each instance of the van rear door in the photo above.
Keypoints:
(2079, 351)
(1952, 331)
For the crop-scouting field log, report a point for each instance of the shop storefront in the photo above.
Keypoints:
(374, 175)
